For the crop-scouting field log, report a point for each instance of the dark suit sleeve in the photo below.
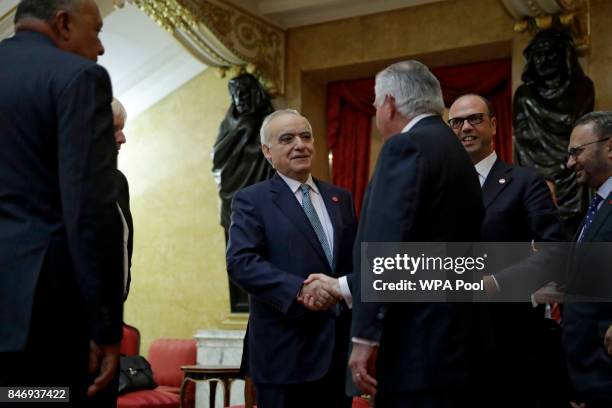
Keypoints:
(247, 264)
(350, 235)
(87, 163)
(389, 215)
(545, 225)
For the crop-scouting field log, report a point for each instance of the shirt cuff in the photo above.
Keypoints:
(345, 291)
(496, 283)
(358, 340)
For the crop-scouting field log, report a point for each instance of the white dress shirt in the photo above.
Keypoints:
(126, 265)
(483, 167)
(328, 228)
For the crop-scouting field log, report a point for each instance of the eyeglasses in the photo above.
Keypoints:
(473, 119)
(575, 151)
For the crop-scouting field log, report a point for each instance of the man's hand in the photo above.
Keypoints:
(608, 340)
(549, 293)
(320, 292)
(103, 360)
(363, 367)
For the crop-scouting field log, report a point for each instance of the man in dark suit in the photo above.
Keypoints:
(585, 323)
(119, 118)
(424, 189)
(290, 248)
(518, 208)
(60, 256)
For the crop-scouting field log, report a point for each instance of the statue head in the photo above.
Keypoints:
(551, 55)
(248, 95)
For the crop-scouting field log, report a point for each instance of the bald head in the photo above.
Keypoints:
(72, 25)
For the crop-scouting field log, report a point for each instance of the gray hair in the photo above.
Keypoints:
(601, 121)
(263, 132)
(414, 88)
(118, 109)
(43, 9)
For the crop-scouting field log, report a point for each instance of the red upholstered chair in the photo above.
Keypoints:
(166, 357)
(130, 343)
(359, 402)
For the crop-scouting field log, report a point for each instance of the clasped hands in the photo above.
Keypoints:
(319, 292)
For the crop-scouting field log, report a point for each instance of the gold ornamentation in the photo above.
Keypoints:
(222, 36)
(573, 15)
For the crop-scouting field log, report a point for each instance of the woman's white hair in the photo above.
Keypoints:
(414, 88)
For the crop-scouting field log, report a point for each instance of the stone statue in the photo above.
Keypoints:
(237, 158)
(555, 92)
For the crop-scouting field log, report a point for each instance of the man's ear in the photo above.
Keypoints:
(494, 125)
(265, 149)
(61, 24)
(392, 110)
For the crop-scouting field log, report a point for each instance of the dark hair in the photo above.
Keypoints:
(601, 120)
(42, 9)
(484, 100)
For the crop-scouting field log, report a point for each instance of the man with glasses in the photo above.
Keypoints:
(518, 208)
(587, 326)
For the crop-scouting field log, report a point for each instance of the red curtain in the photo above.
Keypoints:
(349, 122)
(350, 112)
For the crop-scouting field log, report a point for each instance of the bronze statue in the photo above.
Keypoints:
(555, 92)
(237, 158)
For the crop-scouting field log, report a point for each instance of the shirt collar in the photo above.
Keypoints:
(294, 185)
(415, 120)
(484, 166)
(605, 189)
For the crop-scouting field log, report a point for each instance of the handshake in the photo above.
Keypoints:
(319, 292)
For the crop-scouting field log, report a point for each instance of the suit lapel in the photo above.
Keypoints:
(285, 200)
(497, 179)
(602, 214)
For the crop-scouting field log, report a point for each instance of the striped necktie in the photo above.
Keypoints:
(590, 217)
(315, 222)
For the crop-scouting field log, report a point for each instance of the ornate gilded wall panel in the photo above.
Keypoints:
(542, 14)
(222, 36)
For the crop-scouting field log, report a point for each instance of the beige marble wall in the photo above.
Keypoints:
(179, 283)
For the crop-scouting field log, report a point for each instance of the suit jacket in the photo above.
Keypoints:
(272, 249)
(585, 323)
(519, 209)
(124, 203)
(57, 188)
(424, 189)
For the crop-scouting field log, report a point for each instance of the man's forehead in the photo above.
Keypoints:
(581, 133)
(470, 104)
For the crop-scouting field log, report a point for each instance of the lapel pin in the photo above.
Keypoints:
(335, 199)
(610, 202)
(502, 181)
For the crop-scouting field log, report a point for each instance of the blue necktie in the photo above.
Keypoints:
(315, 222)
(591, 212)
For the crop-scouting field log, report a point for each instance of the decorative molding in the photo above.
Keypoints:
(534, 15)
(222, 36)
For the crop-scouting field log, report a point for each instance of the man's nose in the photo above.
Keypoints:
(466, 126)
(571, 161)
